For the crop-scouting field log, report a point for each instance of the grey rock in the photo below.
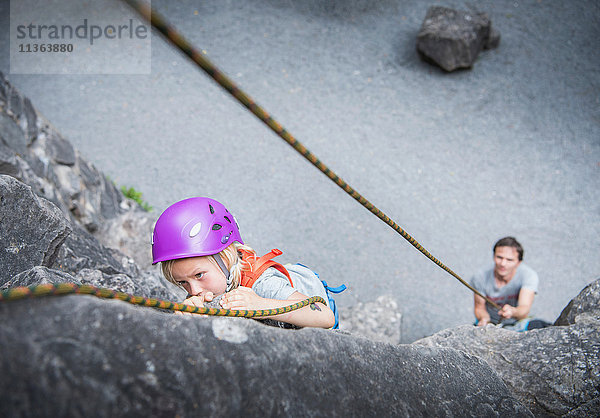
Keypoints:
(82, 251)
(61, 150)
(5, 88)
(144, 284)
(110, 198)
(30, 116)
(89, 174)
(82, 356)
(15, 102)
(39, 275)
(452, 39)
(39, 166)
(131, 234)
(588, 301)
(31, 229)
(51, 166)
(553, 371)
(68, 181)
(380, 320)
(8, 161)
(18, 108)
(493, 39)
(12, 135)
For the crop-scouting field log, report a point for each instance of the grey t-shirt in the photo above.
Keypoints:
(273, 284)
(525, 277)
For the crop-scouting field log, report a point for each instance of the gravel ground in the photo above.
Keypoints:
(511, 147)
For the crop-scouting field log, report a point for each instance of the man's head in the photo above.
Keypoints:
(510, 242)
(508, 254)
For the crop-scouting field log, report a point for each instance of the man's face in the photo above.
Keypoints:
(507, 261)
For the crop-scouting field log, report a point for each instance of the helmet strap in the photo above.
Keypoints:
(225, 271)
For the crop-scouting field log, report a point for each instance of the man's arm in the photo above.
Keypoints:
(481, 312)
(523, 306)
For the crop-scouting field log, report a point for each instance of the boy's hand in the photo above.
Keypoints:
(242, 298)
(197, 301)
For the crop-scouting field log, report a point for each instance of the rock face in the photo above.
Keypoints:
(82, 356)
(554, 371)
(32, 151)
(31, 229)
(587, 302)
(34, 232)
(452, 39)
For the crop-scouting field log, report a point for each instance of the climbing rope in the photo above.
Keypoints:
(61, 289)
(159, 23)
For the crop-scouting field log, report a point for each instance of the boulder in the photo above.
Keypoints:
(553, 371)
(61, 150)
(83, 356)
(12, 135)
(34, 232)
(31, 229)
(39, 275)
(452, 39)
(8, 161)
(144, 284)
(81, 250)
(82, 256)
(130, 233)
(587, 302)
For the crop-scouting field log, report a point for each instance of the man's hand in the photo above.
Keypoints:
(483, 322)
(507, 312)
(197, 301)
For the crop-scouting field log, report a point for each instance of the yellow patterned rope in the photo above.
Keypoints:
(172, 35)
(41, 290)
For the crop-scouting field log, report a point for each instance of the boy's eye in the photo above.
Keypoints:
(182, 283)
(199, 275)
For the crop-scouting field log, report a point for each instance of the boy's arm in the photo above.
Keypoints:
(315, 315)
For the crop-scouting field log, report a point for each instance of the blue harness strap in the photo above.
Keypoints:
(332, 305)
(328, 291)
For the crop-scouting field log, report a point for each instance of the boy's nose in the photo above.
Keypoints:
(195, 288)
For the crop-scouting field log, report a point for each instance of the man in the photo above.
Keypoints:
(511, 284)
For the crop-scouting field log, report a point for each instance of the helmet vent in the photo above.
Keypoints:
(227, 219)
(195, 229)
(225, 238)
(212, 210)
(216, 227)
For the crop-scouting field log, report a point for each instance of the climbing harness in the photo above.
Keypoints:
(257, 266)
(49, 289)
(172, 35)
(328, 291)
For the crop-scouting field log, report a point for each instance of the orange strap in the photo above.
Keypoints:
(258, 266)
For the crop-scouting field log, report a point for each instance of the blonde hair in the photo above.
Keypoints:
(231, 256)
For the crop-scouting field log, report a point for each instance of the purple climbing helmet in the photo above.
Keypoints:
(193, 227)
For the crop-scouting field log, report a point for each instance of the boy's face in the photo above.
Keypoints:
(199, 275)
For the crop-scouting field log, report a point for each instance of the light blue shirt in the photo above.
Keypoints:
(525, 277)
(273, 284)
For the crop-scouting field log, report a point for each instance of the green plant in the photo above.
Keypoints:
(136, 196)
